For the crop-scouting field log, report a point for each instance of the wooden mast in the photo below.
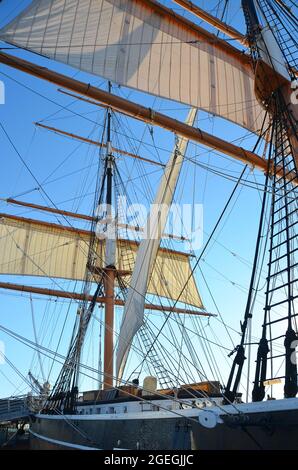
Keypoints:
(110, 269)
(109, 284)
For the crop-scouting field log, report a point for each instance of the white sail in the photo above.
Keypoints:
(33, 248)
(133, 315)
(133, 43)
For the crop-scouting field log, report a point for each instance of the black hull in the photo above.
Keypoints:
(271, 431)
(159, 434)
(265, 430)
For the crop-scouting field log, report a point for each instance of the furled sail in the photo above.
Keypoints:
(133, 315)
(33, 248)
(141, 45)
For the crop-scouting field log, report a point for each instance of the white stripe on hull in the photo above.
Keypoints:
(141, 415)
(62, 443)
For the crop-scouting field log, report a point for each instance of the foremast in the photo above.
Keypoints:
(110, 261)
(65, 392)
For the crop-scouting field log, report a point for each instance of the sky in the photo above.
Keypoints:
(67, 172)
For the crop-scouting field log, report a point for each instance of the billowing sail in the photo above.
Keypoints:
(133, 315)
(33, 248)
(138, 44)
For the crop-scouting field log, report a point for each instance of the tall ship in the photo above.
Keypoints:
(181, 94)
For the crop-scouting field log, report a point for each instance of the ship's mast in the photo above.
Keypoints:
(110, 261)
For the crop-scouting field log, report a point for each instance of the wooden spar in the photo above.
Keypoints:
(52, 210)
(101, 300)
(213, 21)
(81, 98)
(142, 113)
(293, 110)
(136, 111)
(98, 144)
(201, 33)
(79, 231)
(109, 285)
(76, 215)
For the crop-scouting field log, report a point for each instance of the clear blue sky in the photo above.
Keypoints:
(226, 266)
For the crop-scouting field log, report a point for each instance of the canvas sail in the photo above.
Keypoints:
(33, 248)
(132, 43)
(133, 315)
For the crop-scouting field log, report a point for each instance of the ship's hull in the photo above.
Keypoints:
(105, 434)
(267, 426)
(272, 431)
